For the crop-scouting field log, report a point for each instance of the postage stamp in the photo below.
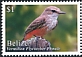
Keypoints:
(39, 28)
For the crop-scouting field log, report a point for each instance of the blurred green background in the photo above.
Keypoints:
(63, 36)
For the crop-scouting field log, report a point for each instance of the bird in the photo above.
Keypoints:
(43, 24)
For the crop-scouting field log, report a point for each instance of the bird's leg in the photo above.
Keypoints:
(42, 37)
(37, 36)
(34, 35)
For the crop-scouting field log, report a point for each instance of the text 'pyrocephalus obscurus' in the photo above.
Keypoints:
(46, 22)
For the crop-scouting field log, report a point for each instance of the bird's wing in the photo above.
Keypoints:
(37, 23)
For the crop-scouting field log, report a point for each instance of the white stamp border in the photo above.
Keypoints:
(41, 53)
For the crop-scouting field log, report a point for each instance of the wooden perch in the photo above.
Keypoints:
(36, 44)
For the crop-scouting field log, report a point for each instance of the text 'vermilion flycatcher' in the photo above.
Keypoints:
(46, 22)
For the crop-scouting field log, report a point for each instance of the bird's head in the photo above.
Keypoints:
(52, 10)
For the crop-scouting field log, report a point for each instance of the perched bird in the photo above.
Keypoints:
(46, 22)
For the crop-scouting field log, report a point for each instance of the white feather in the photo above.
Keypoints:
(52, 21)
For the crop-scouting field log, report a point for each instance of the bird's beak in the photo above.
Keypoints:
(61, 12)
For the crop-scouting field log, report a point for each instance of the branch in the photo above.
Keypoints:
(36, 44)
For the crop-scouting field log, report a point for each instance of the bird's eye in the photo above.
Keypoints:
(53, 10)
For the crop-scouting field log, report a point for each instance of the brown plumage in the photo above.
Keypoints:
(46, 22)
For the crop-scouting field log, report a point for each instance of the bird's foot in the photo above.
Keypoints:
(37, 36)
(34, 35)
